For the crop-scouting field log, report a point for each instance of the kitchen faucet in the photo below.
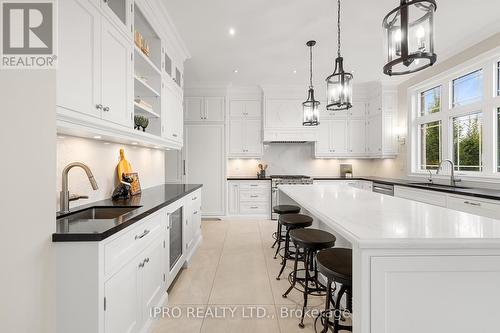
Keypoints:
(65, 196)
(453, 180)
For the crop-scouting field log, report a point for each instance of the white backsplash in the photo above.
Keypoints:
(296, 159)
(102, 158)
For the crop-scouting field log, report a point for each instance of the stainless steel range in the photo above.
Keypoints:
(282, 180)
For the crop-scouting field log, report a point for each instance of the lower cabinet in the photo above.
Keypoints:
(111, 286)
(361, 184)
(462, 203)
(249, 198)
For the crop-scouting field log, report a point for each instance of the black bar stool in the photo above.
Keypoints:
(282, 209)
(291, 222)
(336, 265)
(309, 241)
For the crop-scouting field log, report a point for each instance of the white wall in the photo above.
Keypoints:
(27, 163)
(102, 158)
(295, 159)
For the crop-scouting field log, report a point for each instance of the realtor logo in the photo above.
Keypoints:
(28, 34)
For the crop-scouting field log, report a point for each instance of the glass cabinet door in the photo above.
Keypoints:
(175, 222)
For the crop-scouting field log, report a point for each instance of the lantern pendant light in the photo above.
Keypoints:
(409, 34)
(310, 107)
(339, 84)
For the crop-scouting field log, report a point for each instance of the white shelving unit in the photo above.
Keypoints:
(141, 110)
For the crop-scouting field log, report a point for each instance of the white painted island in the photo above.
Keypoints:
(416, 267)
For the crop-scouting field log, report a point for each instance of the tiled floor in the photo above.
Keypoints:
(234, 270)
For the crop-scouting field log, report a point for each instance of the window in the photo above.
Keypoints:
(430, 145)
(430, 101)
(468, 89)
(467, 142)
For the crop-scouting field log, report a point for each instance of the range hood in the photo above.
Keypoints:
(289, 136)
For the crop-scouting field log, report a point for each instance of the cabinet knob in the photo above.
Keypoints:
(174, 135)
(98, 106)
(105, 109)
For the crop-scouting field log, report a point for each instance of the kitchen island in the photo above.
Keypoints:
(416, 267)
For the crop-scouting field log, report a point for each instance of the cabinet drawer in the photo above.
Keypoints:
(425, 196)
(254, 208)
(474, 206)
(194, 200)
(256, 185)
(119, 251)
(255, 195)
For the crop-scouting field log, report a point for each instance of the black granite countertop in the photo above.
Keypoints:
(247, 178)
(485, 193)
(148, 202)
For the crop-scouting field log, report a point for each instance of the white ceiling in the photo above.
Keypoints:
(271, 35)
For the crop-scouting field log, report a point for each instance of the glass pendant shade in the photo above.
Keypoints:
(339, 88)
(409, 37)
(310, 110)
(310, 107)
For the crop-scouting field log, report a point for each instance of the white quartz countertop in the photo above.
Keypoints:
(369, 219)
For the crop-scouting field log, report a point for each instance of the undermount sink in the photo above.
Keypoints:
(100, 213)
(437, 185)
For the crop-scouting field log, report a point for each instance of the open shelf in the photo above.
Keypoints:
(143, 65)
(143, 89)
(140, 110)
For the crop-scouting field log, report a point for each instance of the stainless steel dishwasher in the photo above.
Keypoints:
(381, 188)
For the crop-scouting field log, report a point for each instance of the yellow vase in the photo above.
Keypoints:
(123, 166)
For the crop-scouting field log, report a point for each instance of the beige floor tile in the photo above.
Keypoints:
(193, 286)
(183, 324)
(243, 319)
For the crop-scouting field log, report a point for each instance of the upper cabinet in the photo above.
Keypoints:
(117, 75)
(367, 130)
(245, 129)
(94, 74)
(204, 109)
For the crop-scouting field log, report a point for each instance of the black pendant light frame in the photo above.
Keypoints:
(310, 105)
(344, 78)
(406, 57)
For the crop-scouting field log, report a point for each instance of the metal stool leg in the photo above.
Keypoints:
(278, 239)
(336, 325)
(327, 305)
(295, 264)
(283, 262)
(306, 286)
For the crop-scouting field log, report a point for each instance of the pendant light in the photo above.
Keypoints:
(339, 84)
(409, 34)
(310, 107)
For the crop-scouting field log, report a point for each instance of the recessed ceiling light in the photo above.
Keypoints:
(134, 143)
(156, 147)
(235, 71)
(232, 31)
(60, 137)
(106, 143)
(97, 137)
(294, 71)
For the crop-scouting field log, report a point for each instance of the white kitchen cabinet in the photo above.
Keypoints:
(245, 138)
(332, 138)
(374, 129)
(214, 109)
(245, 108)
(357, 136)
(205, 164)
(122, 294)
(204, 109)
(172, 115)
(249, 198)
(151, 278)
(473, 205)
(192, 218)
(430, 197)
(95, 65)
(79, 55)
(120, 13)
(382, 113)
(116, 78)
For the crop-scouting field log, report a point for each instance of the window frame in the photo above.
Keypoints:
(489, 63)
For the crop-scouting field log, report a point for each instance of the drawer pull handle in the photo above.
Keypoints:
(254, 196)
(254, 185)
(195, 212)
(254, 207)
(472, 203)
(194, 198)
(142, 235)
